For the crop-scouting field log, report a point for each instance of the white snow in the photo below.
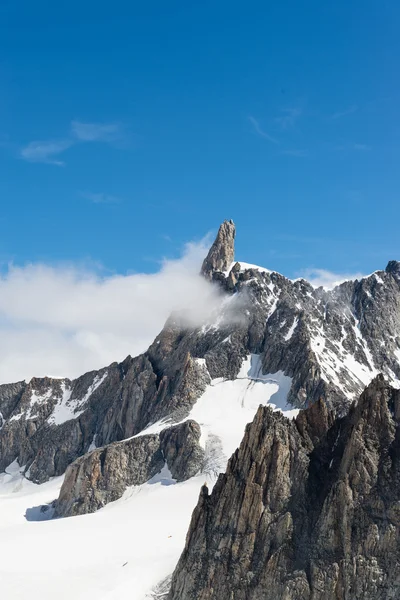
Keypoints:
(63, 410)
(245, 265)
(291, 330)
(227, 406)
(35, 399)
(121, 551)
(67, 408)
(334, 359)
(125, 549)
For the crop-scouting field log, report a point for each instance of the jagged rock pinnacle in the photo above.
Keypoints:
(222, 252)
(393, 267)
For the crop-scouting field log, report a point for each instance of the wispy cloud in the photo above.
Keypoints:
(289, 118)
(327, 279)
(46, 151)
(343, 113)
(361, 147)
(296, 153)
(259, 131)
(100, 198)
(351, 146)
(95, 132)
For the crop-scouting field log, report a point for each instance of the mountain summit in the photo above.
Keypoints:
(222, 252)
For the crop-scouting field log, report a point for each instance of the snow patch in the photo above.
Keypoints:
(244, 266)
(67, 408)
(291, 330)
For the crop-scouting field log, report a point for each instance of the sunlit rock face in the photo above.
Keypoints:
(307, 509)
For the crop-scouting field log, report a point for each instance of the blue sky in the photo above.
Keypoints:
(127, 129)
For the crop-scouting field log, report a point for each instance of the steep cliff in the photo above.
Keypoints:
(307, 510)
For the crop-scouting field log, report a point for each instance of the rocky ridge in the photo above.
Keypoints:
(102, 475)
(330, 343)
(307, 509)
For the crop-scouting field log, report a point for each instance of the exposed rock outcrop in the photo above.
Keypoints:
(393, 267)
(102, 476)
(307, 510)
(222, 252)
(181, 449)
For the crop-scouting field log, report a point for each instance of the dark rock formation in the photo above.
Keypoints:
(393, 267)
(222, 252)
(102, 476)
(307, 510)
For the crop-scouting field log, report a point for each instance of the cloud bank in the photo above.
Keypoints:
(328, 279)
(64, 321)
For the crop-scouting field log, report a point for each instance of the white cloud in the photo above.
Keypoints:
(327, 279)
(295, 152)
(64, 321)
(92, 132)
(44, 152)
(289, 117)
(361, 147)
(343, 113)
(260, 132)
(100, 198)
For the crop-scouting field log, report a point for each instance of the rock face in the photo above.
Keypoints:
(222, 252)
(181, 450)
(330, 343)
(102, 476)
(307, 510)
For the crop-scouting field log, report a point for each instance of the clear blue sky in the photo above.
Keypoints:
(128, 128)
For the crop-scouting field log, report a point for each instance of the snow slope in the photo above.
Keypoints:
(128, 547)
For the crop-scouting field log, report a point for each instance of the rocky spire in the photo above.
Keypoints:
(222, 252)
(393, 267)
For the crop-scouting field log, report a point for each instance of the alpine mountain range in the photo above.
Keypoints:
(285, 401)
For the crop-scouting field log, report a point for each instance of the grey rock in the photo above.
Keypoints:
(308, 509)
(182, 451)
(103, 475)
(393, 267)
(222, 252)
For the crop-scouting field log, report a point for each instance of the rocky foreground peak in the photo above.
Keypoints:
(222, 252)
(307, 510)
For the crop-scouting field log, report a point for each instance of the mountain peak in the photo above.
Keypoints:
(222, 252)
(393, 267)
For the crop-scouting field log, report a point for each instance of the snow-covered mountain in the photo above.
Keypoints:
(144, 434)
